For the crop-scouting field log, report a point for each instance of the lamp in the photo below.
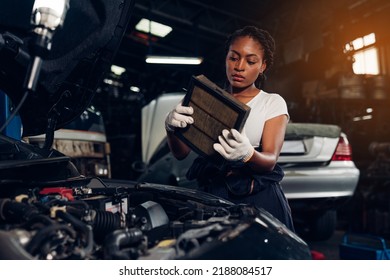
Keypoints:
(117, 70)
(152, 27)
(173, 60)
(47, 16)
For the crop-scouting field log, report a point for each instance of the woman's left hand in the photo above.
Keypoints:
(234, 146)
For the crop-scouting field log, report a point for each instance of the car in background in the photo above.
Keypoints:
(320, 174)
(84, 141)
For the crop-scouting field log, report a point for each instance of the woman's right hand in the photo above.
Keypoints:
(179, 117)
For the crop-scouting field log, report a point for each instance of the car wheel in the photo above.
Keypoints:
(322, 227)
(316, 226)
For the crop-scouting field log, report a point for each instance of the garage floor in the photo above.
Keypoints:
(362, 246)
(329, 249)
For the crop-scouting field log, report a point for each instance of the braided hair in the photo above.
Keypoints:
(266, 41)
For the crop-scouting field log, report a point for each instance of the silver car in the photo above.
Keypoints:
(317, 160)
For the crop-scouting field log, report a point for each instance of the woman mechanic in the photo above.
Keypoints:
(252, 175)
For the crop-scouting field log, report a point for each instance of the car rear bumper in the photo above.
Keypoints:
(338, 179)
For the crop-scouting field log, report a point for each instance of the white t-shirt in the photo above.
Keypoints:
(264, 106)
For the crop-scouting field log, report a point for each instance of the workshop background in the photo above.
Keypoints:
(313, 67)
(332, 66)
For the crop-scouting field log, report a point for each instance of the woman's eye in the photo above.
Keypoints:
(232, 58)
(251, 62)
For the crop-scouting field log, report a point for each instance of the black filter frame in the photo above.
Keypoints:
(214, 110)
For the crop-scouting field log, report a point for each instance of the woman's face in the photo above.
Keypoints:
(244, 62)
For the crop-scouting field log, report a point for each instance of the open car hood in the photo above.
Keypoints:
(81, 54)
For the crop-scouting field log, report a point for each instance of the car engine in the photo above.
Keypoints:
(107, 223)
(49, 211)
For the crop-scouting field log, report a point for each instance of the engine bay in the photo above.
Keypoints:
(49, 211)
(101, 222)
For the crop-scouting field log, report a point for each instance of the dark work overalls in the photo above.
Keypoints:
(239, 184)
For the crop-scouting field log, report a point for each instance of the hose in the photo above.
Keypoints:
(119, 239)
(44, 235)
(84, 228)
(11, 211)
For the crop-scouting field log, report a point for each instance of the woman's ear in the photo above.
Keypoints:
(263, 67)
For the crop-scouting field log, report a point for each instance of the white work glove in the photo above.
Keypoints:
(234, 146)
(179, 117)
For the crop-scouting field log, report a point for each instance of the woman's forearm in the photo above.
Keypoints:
(177, 147)
(262, 162)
